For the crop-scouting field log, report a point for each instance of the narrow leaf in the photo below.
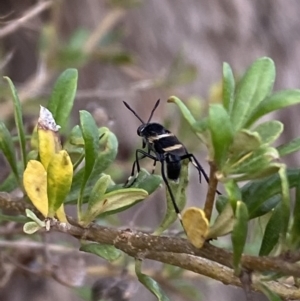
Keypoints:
(255, 193)
(244, 141)
(269, 294)
(269, 131)
(59, 179)
(30, 214)
(252, 163)
(295, 230)
(63, 95)
(184, 110)
(7, 147)
(239, 234)
(289, 148)
(276, 101)
(187, 115)
(285, 203)
(91, 145)
(221, 133)
(107, 252)
(223, 223)
(272, 232)
(228, 87)
(18, 120)
(255, 85)
(149, 282)
(35, 184)
(233, 192)
(99, 190)
(113, 202)
(108, 151)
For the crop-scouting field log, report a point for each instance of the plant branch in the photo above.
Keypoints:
(211, 193)
(210, 261)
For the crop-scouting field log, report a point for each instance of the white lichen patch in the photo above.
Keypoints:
(46, 120)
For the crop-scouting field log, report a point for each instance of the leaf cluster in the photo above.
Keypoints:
(239, 147)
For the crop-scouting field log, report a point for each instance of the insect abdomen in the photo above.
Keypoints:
(173, 167)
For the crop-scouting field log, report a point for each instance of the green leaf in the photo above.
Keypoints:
(147, 181)
(75, 137)
(276, 101)
(239, 234)
(266, 206)
(187, 115)
(269, 294)
(179, 192)
(184, 110)
(285, 203)
(7, 147)
(113, 202)
(221, 133)
(33, 217)
(233, 192)
(63, 95)
(9, 184)
(13, 218)
(295, 229)
(288, 148)
(223, 223)
(149, 282)
(255, 85)
(98, 190)
(106, 156)
(228, 87)
(272, 232)
(91, 145)
(244, 141)
(18, 120)
(255, 193)
(107, 252)
(31, 227)
(254, 164)
(221, 202)
(269, 131)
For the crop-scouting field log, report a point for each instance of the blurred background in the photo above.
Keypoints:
(137, 51)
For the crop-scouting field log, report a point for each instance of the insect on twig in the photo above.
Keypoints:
(162, 146)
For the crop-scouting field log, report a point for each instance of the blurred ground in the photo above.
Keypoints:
(158, 38)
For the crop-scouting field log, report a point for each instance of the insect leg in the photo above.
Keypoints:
(170, 192)
(137, 164)
(200, 169)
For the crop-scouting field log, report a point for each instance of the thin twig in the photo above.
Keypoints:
(102, 29)
(211, 193)
(14, 25)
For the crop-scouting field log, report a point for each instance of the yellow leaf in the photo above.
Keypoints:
(49, 143)
(59, 179)
(61, 215)
(35, 184)
(196, 226)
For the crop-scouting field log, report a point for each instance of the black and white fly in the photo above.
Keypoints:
(162, 146)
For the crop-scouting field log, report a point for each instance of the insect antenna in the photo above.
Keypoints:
(135, 114)
(152, 112)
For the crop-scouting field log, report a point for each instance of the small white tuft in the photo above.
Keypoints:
(46, 120)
